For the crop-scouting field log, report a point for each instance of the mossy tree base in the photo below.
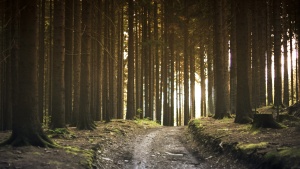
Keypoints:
(36, 139)
(222, 116)
(86, 125)
(243, 120)
(265, 121)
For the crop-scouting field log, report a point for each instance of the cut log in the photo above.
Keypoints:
(265, 121)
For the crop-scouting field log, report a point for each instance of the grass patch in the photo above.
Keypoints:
(146, 122)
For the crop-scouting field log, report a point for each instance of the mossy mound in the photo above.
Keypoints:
(282, 158)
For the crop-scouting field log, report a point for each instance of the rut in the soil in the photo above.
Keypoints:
(162, 149)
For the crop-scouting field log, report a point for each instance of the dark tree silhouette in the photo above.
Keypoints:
(68, 58)
(243, 108)
(186, 67)
(277, 53)
(58, 88)
(130, 84)
(77, 60)
(85, 121)
(220, 109)
(26, 129)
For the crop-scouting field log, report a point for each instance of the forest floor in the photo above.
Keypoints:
(144, 144)
(262, 147)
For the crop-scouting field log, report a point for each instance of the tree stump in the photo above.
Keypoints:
(265, 121)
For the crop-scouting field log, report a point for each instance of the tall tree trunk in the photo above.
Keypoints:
(145, 59)
(138, 104)
(186, 67)
(277, 53)
(262, 52)
(130, 85)
(106, 109)
(85, 121)
(269, 56)
(58, 89)
(220, 110)
(2, 4)
(291, 60)
(27, 128)
(285, 56)
(77, 59)
(120, 90)
(68, 59)
(7, 76)
(202, 78)
(165, 64)
(151, 66)
(210, 81)
(225, 39)
(243, 108)
(192, 85)
(233, 65)
(255, 55)
(41, 60)
(112, 58)
(99, 61)
(157, 68)
(172, 90)
(50, 66)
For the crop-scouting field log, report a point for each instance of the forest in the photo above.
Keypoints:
(70, 63)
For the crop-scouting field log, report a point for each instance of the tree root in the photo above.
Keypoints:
(87, 125)
(39, 140)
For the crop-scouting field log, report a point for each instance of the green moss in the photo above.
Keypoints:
(147, 122)
(285, 157)
(37, 153)
(72, 150)
(57, 163)
(87, 162)
(252, 146)
(284, 152)
(60, 132)
(195, 123)
(87, 155)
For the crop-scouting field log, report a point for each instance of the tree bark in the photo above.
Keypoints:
(68, 59)
(220, 108)
(58, 89)
(243, 108)
(269, 56)
(130, 85)
(27, 128)
(285, 56)
(85, 121)
(277, 53)
(77, 60)
(233, 65)
(186, 67)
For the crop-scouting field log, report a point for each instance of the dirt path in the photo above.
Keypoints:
(164, 148)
